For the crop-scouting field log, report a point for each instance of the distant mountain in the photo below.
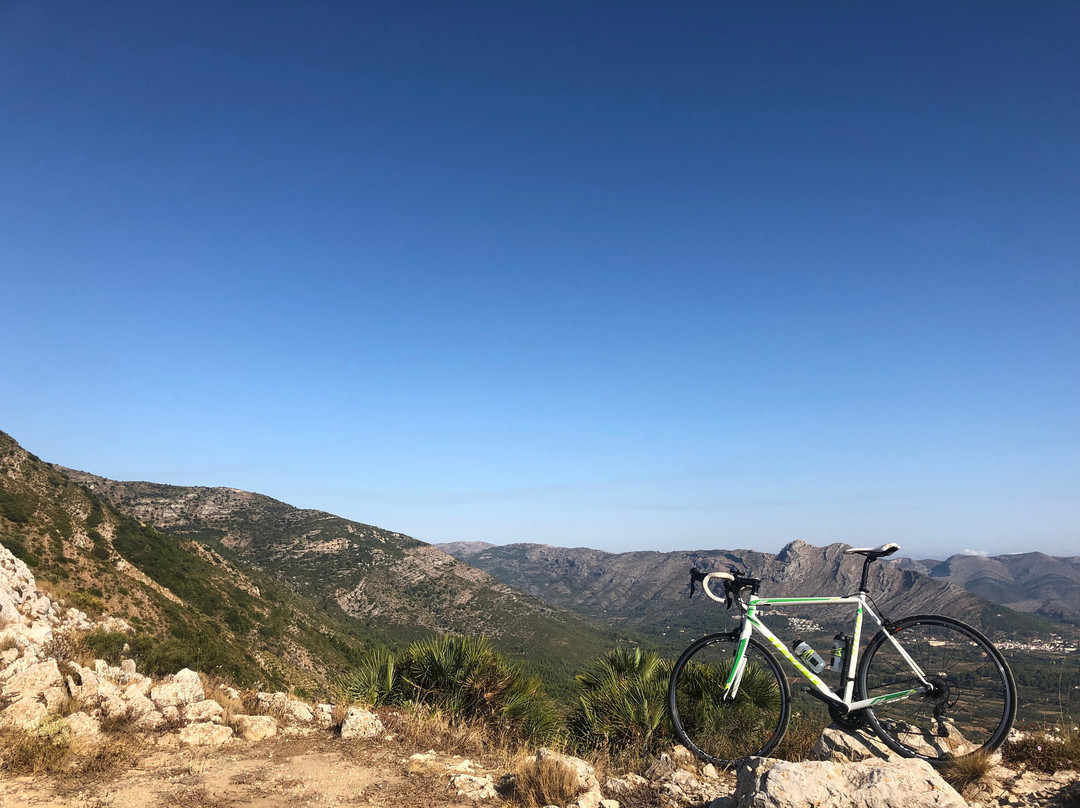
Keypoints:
(1025, 582)
(393, 587)
(648, 590)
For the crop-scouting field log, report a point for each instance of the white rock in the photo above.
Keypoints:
(205, 710)
(255, 727)
(24, 713)
(34, 680)
(841, 746)
(324, 715)
(184, 687)
(903, 783)
(83, 725)
(205, 734)
(584, 774)
(360, 723)
(473, 787)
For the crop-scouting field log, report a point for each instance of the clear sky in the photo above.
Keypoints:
(616, 274)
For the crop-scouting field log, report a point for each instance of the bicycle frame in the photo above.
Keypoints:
(751, 622)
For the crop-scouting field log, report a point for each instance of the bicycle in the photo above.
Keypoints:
(930, 687)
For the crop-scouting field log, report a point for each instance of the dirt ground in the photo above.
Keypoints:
(270, 774)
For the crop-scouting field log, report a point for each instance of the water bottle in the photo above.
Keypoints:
(836, 656)
(811, 658)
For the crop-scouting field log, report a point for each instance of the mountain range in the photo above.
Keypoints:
(260, 591)
(648, 591)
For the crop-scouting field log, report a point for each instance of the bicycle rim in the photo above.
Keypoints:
(725, 732)
(970, 706)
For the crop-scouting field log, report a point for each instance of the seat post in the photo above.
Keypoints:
(865, 572)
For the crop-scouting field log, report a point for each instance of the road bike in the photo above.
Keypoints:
(930, 687)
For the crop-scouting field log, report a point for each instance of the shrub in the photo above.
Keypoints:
(623, 702)
(964, 772)
(545, 782)
(461, 676)
(42, 750)
(1045, 751)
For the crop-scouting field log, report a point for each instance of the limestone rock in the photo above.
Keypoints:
(285, 708)
(584, 774)
(83, 725)
(843, 746)
(622, 785)
(205, 734)
(474, 788)
(764, 783)
(184, 687)
(201, 711)
(324, 715)
(24, 713)
(255, 727)
(34, 680)
(360, 723)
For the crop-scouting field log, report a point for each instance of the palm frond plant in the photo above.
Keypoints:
(623, 701)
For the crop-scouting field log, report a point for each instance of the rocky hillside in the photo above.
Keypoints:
(75, 730)
(389, 585)
(648, 590)
(1025, 582)
(190, 604)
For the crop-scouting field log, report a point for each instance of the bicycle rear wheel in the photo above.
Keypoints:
(970, 706)
(725, 732)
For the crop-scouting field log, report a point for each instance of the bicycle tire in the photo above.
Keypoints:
(719, 732)
(971, 707)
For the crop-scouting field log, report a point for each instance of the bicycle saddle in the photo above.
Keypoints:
(875, 552)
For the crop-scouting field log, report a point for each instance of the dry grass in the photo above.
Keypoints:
(119, 723)
(70, 705)
(1045, 750)
(804, 730)
(36, 754)
(545, 782)
(70, 647)
(104, 761)
(231, 705)
(965, 772)
(337, 715)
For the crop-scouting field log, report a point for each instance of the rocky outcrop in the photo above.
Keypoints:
(764, 783)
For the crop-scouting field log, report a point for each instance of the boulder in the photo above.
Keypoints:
(285, 708)
(360, 723)
(184, 687)
(205, 734)
(34, 680)
(205, 710)
(474, 788)
(24, 713)
(83, 725)
(765, 783)
(843, 746)
(324, 715)
(585, 774)
(254, 727)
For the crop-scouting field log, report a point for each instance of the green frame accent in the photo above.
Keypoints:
(751, 622)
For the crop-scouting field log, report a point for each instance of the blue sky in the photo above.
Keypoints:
(623, 275)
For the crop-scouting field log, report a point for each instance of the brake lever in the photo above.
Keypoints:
(695, 577)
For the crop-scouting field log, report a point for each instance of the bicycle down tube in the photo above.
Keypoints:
(751, 622)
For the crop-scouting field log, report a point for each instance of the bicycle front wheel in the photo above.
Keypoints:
(719, 731)
(971, 702)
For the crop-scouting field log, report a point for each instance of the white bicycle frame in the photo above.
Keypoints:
(751, 621)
